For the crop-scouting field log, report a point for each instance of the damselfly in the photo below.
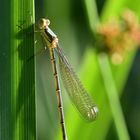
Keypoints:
(78, 95)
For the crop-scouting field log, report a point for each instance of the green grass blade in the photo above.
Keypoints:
(92, 13)
(113, 97)
(5, 86)
(17, 90)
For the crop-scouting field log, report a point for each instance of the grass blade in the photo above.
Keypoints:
(17, 92)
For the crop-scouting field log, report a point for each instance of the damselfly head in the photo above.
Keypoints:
(43, 23)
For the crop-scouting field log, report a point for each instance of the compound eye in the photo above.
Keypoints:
(43, 23)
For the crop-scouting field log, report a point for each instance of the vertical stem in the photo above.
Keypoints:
(22, 71)
(92, 13)
(113, 97)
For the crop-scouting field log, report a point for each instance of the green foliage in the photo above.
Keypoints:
(17, 80)
(75, 24)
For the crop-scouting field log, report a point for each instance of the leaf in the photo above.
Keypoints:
(17, 86)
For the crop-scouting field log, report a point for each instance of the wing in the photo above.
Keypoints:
(77, 93)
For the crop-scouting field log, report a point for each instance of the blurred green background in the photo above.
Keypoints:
(28, 106)
(115, 89)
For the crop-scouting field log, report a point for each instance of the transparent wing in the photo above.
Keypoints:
(78, 95)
